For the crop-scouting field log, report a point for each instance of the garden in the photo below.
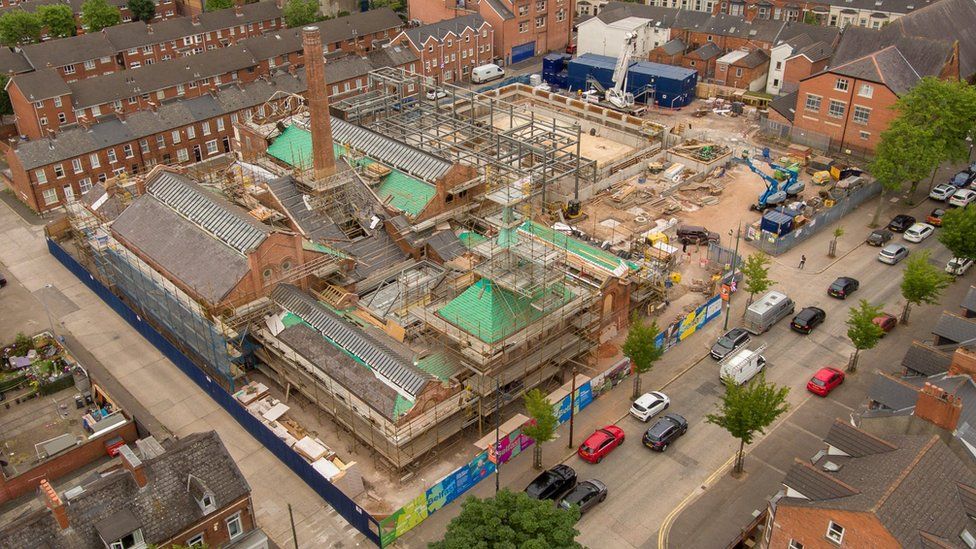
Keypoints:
(39, 364)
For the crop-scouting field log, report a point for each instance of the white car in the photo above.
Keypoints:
(918, 232)
(942, 192)
(962, 198)
(957, 266)
(436, 94)
(649, 405)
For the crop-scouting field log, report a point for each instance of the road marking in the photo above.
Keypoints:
(662, 534)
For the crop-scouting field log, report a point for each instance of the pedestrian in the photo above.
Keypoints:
(803, 261)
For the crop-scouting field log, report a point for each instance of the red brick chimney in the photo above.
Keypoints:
(195, 20)
(963, 363)
(238, 10)
(323, 155)
(54, 503)
(133, 465)
(938, 407)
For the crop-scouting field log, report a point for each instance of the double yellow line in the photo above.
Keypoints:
(662, 534)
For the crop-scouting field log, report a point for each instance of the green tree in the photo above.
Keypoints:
(746, 410)
(641, 348)
(98, 14)
(5, 106)
(903, 154)
(542, 428)
(832, 248)
(922, 282)
(58, 19)
(958, 230)
(214, 5)
(301, 12)
(19, 28)
(862, 331)
(755, 273)
(142, 10)
(510, 519)
(395, 5)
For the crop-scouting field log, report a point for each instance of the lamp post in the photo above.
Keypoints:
(572, 408)
(498, 462)
(735, 261)
(47, 311)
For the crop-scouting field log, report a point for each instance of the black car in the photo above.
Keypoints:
(843, 287)
(693, 234)
(552, 483)
(962, 179)
(665, 431)
(808, 319)
(879, 237)
(901, 222)
(732, 340)
(586, 495)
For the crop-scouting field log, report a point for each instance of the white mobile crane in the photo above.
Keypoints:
(617, 96)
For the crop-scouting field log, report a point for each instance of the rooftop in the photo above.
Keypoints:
(442, 29)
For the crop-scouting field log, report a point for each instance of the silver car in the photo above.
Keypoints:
(892, 254)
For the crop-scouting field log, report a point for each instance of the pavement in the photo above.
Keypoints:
(42, 294)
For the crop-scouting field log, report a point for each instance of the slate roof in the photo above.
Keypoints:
(887, 66)
(446, 245)
(893, 6)
(925, 360)
(357, 24)
(854, 442)
(348, 337)
(815, 484)
(969, 302)
(955, 328)
(66, 51)
(785, 105)
(163, 509)
(893, 394)
(111, 131)
(814, 33)
(753, 60)
(817, 51)
(12, 62)
(616, 11)
(440, 30)
(941, 20)
(501, 9)
(673, 46)
(708, 51)
(40, 85)
(313, 224)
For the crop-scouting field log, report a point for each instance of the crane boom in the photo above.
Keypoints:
(616, 95)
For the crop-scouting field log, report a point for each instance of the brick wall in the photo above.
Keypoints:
(214, 527)
(844, 130)
(432, 11)
(796, 69)
(451, 59)
(808, 526)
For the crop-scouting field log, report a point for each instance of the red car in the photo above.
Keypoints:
(886, 322)
(601, 443)
(825, 381)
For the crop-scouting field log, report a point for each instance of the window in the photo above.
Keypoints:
(968, 539)
(835, 532)
(127, 149)
(195, 541)
(62, 118)
(286, 265)
(129, 540)
(85, 185)
(176, 137)
(267, 273)
(867, 90)
(234, 526)
(540, 5)
(38, 104)
(76, 165)
(44, 121)
(524, 26)
(182, 155)
(50, 196)
(206, 128)
(861, 114)
(523, 9)
(865, 136)
(813, 102)
(212, 147)
(180, 90)
(779, 65)
(540, 21)
(69, 69)
(135, 65)
(836, 109)
(160, 141)
(561, 15)
(57, 101)
(90, 64)
(795, 544)
(841, 84)
(335, 89)
(93, 158)
(112, 158)
(58, 171)
(738, 71)
(40, 176)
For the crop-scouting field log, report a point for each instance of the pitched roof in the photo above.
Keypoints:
(439, 30)
(785, 105)
(955, 328)
(893, 6)
(708, 51)
(12, 62)
(854, 442)
(357, 24)
(892, 393)
(815, 484)
(446, 245)
(674, 46)
(941, 20)
(753, 60)
(41, 84)
(792, 31)
(925, 360)
(163, 509)
(969, 302)
(501, 9)
(66, 51)
(887, 66)
(313, 224)
(616, 11)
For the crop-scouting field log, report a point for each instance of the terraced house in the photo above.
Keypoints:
(449, 49)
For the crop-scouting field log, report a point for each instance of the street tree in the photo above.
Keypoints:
(746, 410)
(142, 10)
(214, 5)
(58, 19)
(301, 12)
(19, 28)
(922, 282)
(755, 273)
(862, 331)
(641, 348)
(958, 228)
(903, 154)
(832, 248)
(542, 426)
(510, 519)
(99, 14)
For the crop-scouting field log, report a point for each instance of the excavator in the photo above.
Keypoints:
(783, 183)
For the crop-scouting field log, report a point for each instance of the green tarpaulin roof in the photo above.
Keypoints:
(591, 254)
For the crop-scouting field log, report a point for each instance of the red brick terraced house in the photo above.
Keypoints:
(449, 49)
(165, 9)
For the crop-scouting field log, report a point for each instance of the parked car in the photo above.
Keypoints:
(919, 232)
(665, 431)
(693, 234)
(807, 319)
(962, 179)
(732, 340)
(957, 266)
(886, 322)
(900, 223)
(962, 198)
(942, 192)
(585, 496)
(436, 93)
(935, 217)
(825, 380)
(879, 237)
(843, 287)
(649, 405)
(598, 445)
(552, 483)
(892, 254)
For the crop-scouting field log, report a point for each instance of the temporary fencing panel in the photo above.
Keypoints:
(523, 52)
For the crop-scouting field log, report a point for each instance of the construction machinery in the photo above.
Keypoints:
(616, 95)
(783, 183)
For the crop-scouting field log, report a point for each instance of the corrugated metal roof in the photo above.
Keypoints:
(353, 340)
(177, 192)
(389, 151)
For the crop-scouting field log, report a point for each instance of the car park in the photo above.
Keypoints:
(935, 217)
(886, 322)
(843, 287)
(649, 405)
(436, 93)
(942, 192)
(962, 179)
(807, 319)
(962, 198)
(552, 483)
(732, 340)
(825, 380)
(667, 430)
(879, 237)
(900, 223)
(598, 445)
(918, 232)
(892, 254)
(586, 495)
(957, 266)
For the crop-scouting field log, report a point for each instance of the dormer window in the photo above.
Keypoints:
(132, 540)
(203, 496)
(207, 501)
(121, 530)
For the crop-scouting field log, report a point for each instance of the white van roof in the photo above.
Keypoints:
(767, 302)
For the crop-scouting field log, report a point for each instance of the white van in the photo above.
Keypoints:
(742, 365)
(768, 310)
(486, 73)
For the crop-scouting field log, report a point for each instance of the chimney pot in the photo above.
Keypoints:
(149, 29)
(238, 10)
(195, 19)
(54, 503)
(134, 465)
(938, 407)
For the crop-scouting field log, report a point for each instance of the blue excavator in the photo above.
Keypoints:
(782, 184)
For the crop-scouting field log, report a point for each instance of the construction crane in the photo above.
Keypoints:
(616, 95)
(776, 189)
